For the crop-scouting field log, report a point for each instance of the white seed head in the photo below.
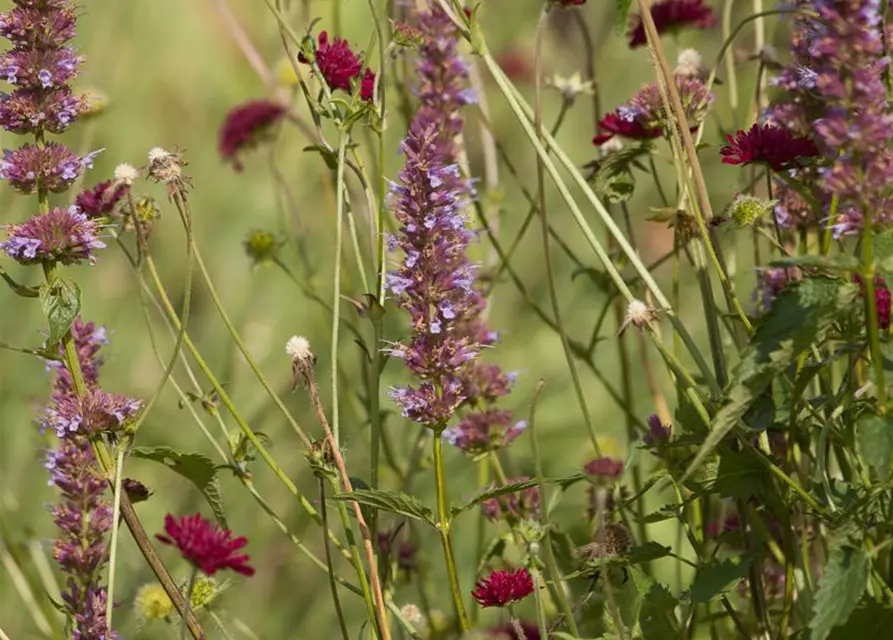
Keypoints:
(638, 314)
(612, 145)
(298, 347)
(157, 153)
(689, 64)
(126, 173)
(412, 615)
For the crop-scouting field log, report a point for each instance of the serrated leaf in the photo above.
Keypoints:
(843, 581)
(739, 476)
(512, 487)
(875, 440)
(392, 501)
(656, 617)
(647, 552)
(622, 17)
(800, 316)
(195, 467)
(719, 579)
(871, 620)
(495, 549)
(61, 304)
(613, 179)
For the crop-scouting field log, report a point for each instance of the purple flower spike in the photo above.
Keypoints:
(63, 235)
(38, 28)
(93, 413)
(39, 68)
(53, 167)
(35, 110)
(483, 431)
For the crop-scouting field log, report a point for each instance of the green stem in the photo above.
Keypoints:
(443, 526)
(874, 340)
(113, 544)
(192, 578)
(336, 301)
(331, 568)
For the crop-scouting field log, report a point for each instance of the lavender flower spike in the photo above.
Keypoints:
(434, 281)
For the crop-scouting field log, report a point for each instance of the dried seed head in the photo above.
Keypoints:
(157, 153)
(689, 64)
(298, 347)
(126, 174)
(638, 314)
(613, 540)
(412, 615)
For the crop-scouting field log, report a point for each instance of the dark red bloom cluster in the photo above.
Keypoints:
(503, 587)
(339, 65)
(100, 201)
(570, 3)
(509, 631)
(671, 15)
(774, 146)
(613, 124)
(245, 125)
(882, 301)
(208, 547)
(604, 468)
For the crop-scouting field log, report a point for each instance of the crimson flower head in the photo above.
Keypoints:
(337, 63)
(614, 124)
(882, 299)
(208, 547)
(367, 87)
(570, 3)
(604, 468)
(245, 125)
(503, 587)
(100, 200)
(671, 15)
(774, 146)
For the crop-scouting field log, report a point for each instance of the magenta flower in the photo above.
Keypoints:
(501, 588)
(245, 125)
(658, 432)
(100, 200)
(337, 63)
(206, 546)
(482, 431)
(88, 339)
(882, 300)
(508, 631)
(670, 16)
(604, 468)
(62, 235)
(367, 87)
(613, 124)
(52, 167)
(767, 144)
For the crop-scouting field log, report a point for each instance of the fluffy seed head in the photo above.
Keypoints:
(689, 64)
(126, 174)
(298, 347)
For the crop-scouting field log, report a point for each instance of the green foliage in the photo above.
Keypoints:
(512, 487)
(875, 440)
(392, 501)
(843, 581)
(869, 620)
(718, 579)
(621, 18)
(739, 476)
(613, 180)
(195, 467)
(61, 302)
(646, 552)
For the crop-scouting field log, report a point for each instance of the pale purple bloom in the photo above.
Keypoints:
(62, 235)
(515, 506)
(52, 167)
(483, 431)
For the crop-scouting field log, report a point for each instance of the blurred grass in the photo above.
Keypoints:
(171, 72)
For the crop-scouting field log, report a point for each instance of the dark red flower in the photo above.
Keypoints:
(101, 199)
(670, 15)
(882, 301)
(503, 587)
(604, 468)
(367, 87)
(245, 125)
(516, 64)
(337, 63)
(570, 3)
(613, 124)
(205, 545)
(764, 143)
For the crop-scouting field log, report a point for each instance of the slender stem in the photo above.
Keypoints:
(443, 526)
(113, 544)
(331, 567)
(192, 578)
(874, 340)
(336, 282)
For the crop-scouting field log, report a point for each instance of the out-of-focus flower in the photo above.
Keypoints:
(94, 102)
(572, 87)
(639, 315)
(613, 124)
(367, 86)
(206, 546)
(670, 16)
(52, 166)
(401, 551)
(508, 631)
(514, 507)
(408, 36)
(501, 588)
(604, 469)
(516, 64)
(658, 432)
(125, 174)
(570, 3)
(261, 246)
(337, 62)
(245, 126)
(62, 235)
(767, 144)
(882, 300)
(152, 602)
(770, 282)
(101, 200)
(483, 431)
(690, 64)
(205, 591)
(613, 540)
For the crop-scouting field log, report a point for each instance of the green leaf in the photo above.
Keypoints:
(840, 588)
(512, 487)
(656, 617)
(836, 263)
(392, 501)
(871, 620)
(719, 579)
(195, 467)
(646, 552)
(800, 315)
(875, 440)
(621, 20)
(613, 179)
(740, 476)
(61, 304)
(883, 253)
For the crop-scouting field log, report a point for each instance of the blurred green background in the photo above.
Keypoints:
(171, 71)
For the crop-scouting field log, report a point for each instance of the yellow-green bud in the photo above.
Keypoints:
(261, 246)
(95, 103)
(748, 210)
(152, 603)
